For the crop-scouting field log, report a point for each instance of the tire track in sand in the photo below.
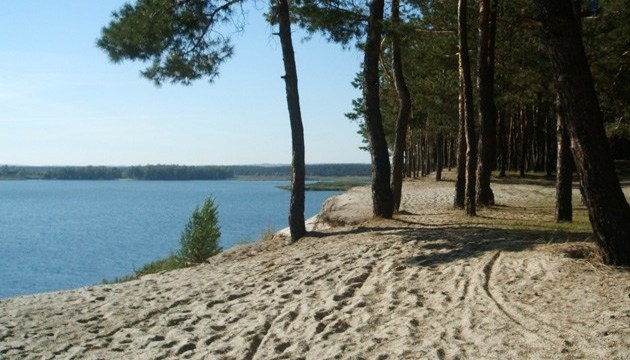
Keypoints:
(534, 326)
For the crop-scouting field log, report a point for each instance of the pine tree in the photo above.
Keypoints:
(200, 238)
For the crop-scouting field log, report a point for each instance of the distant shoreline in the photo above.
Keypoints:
(179, 172)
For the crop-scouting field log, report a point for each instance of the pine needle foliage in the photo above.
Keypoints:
(200, 238)
(180, 40)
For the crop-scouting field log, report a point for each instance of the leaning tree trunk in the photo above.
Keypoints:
(382, 198)
(487, 107)
(404, 99)
(296, 209)
(564, 171)
(469, 125)
(608, 209)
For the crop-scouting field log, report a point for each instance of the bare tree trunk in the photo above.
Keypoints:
(512, 139)
(404, 99)
(439, 156)
(522, 165)
(608, 209)
(564, 171)
(487, 107)
(451, 158)
(426, 166)
(550, 145)
(296, 208)
(410, 155)
(382, 198)
(503, 156)
(471, 138)
(460, 182)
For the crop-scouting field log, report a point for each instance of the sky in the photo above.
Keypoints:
(63, 102)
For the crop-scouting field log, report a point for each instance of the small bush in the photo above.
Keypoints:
(199, 241)
(200, 238)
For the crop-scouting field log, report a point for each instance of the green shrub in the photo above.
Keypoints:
(199, 241)
(200, 238)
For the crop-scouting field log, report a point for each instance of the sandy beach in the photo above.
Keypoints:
(429, 284)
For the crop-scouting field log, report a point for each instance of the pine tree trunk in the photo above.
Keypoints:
(512, 156)
(522, 164)
(439, 156)
(451, 157)
(460, 182)
(410, 155)
(608, 209)
(550, 146)
(382, 198)
(503, 156)
(487, 108)
(296, 208)
(427, 154)
(404, 99)
(471, 138)
(564, 172)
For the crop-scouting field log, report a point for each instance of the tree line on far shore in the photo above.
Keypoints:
(176, 172)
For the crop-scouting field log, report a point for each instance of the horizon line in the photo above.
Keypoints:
(165, 164)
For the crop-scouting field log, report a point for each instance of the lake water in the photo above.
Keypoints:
(57, 235)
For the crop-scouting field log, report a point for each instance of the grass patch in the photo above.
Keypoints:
(267, 234)
(334, 185)
(172, 262)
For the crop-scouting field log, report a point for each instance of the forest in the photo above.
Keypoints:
(486, 86)
(523, 89)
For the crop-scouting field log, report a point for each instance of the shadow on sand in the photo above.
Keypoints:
(439, 244)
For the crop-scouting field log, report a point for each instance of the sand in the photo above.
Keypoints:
(430, 284)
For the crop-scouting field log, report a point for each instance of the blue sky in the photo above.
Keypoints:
(62, 102)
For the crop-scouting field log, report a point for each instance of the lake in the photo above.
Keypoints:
(57, 235)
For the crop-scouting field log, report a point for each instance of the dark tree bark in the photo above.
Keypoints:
(564, 172)
(451, 158)
(522, 161)
(426, 154)
(296, 208)
(608, 209)
(439, 156)
(404, 111)
(487, 107)
(502, 144)
(551, 149)
(469, 124)
(382, 198)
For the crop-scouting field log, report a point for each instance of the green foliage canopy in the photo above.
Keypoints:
(181, 39)
(341, 21)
